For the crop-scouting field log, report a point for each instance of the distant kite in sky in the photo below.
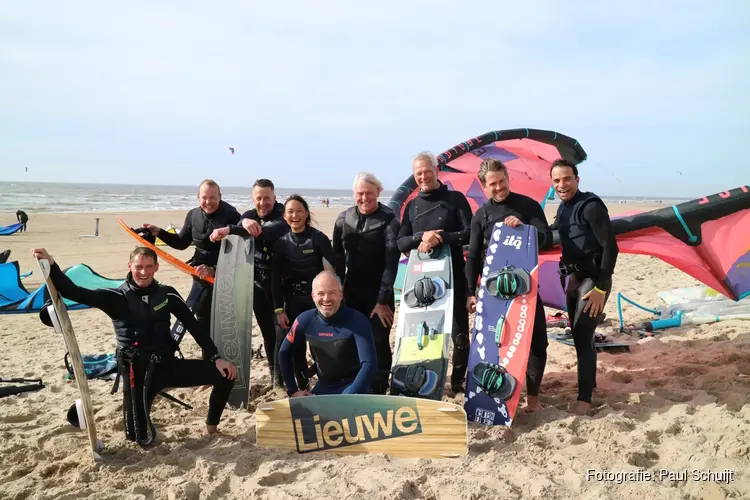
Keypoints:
(232, 150)
(27, 169)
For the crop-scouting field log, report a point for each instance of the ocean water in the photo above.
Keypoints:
(36, 197)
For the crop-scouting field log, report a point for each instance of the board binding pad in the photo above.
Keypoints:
(60, 319)
(174, 261)
(425, 320)
(232, 310)
(507, 320)
(349, 424)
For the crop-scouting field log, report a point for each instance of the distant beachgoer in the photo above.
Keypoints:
(22, 218)
(589, 255)
(200, 222)
(340, 340)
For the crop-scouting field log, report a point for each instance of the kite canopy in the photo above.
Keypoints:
(528, 154)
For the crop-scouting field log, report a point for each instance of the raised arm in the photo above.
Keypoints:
(181, 240)
(109, 300)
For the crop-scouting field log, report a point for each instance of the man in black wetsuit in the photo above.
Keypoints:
(434, 217)
(266, 224)
(141, 312)
(512, 209)
(341, 342)
(364, 243)
(589, 255)
(22, 218)
(200, 222)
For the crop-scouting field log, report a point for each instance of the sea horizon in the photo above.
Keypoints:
(70, 197)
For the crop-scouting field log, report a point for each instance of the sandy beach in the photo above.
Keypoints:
(679, 401)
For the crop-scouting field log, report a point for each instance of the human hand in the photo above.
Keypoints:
(205, 271)
(298, 394)
(154, 229)
(41, 254)
(219, 234)
(512, 221)
(227, 369)
(471, 304)
(283, 320)
(252, 227)
(384, 314)
(595, 302)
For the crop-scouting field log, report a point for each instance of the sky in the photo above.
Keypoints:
(310, 93)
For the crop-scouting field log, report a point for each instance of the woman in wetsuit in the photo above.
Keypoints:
(297, 258)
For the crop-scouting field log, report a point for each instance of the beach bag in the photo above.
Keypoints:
(96, 366)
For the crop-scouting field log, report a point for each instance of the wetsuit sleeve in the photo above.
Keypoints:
(338, 245)
(275, 230)
(392, 256)
(538, 219)
(296, 336)
(109, 300)
(277, 264)
(182, 312)
(365, 341)
(474, 257)
(595, 214)
(181, 240)
(237, 228)
(325, 250)
(461, 235)
(407, 239)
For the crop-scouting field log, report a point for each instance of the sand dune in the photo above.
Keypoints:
(679, 401)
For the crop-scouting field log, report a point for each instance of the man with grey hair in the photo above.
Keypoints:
(439, 216)
(364, 244)
(340, 340)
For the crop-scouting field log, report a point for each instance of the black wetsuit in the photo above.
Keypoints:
(342, 346)
(297, 258)
(589, 255)
(367, 253)
(22, 218)
(273, 227)
(529, 212)
(197, 229)
(141, 317)
(451, 212)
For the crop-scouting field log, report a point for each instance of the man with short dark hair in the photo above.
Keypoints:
(141, 311)
(341, 342)
(512, 209)
(266, 224)
(589, 255)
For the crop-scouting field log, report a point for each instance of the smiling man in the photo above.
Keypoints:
(589, 255)
(212, 213)
(341, 343)
(364, 245)
(439, 216)
(141, 311)
(511, 209)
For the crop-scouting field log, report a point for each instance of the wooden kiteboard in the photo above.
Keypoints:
(185, 268)
(352, 424)
(61, 313)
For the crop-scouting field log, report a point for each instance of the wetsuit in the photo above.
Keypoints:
(366, 246)
(529, 212)
(589, 255)
(273, 227)
(145, 347)
(297, 258)
(343, 348)
(451, 212)
(22, 218)
(197, 229)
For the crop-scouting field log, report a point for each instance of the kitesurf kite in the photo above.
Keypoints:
(232, 150)
(709, 238)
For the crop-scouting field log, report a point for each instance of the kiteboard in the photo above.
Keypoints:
(232, 310)
(59, 314)
(425, 320)
(355, 423)
(503, 325)
(182, 266)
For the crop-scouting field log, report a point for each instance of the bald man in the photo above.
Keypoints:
(340, 339)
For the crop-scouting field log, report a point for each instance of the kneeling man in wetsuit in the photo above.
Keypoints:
(341, 343)
(141, 311)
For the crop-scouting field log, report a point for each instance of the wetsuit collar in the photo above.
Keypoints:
(497, 203)
(574, 199)
(139, 290)
(437, 192)
(334, 318)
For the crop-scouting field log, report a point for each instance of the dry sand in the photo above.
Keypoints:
(676, 402)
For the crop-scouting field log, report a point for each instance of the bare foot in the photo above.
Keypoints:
(532, 404)
(581, 407)
(212, 429)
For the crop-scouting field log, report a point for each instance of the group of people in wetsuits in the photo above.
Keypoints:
(337, 294)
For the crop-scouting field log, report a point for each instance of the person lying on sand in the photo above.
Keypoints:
(341, 342)
(141, 311)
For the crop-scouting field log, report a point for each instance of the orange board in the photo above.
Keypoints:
(185, 268)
